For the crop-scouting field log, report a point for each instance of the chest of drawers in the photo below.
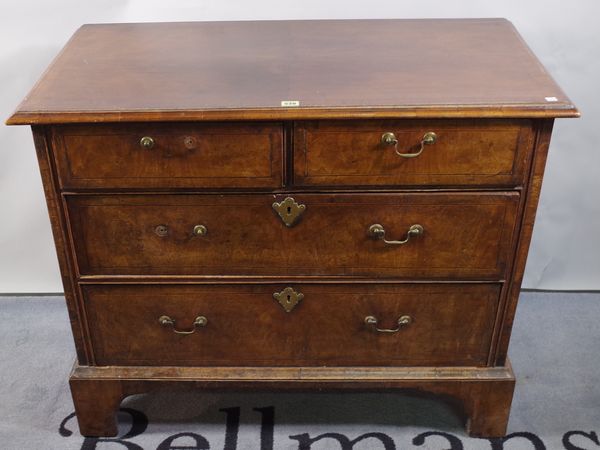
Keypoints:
(293, 205)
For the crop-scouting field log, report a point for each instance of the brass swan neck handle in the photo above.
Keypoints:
(372, 321)
(389, 139)
(377, 231)
(199, 322)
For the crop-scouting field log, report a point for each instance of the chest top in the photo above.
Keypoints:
(294, 70)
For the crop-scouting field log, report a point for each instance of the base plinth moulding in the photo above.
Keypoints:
(481, 395)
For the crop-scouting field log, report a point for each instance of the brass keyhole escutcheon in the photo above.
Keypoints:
(289, 211)
(288, 298)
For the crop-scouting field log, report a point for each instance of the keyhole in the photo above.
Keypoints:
(289, 210)
(289, 298)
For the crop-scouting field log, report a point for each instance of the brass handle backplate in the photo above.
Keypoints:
(376, 231)
(389, 139)
(371, 321)
(200, 230)
(161, 230)
(199, 322)
(147, 142)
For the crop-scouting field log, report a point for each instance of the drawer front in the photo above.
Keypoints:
(169, 155)
(237, 325)
(460, 153)
(465, 235)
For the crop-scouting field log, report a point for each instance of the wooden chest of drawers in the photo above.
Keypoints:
(293, 205)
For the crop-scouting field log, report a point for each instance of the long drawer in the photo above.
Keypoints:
(437, 235)
(194, 155)
(331, 324)
(412, 152)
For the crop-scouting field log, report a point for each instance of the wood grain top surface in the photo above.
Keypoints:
(333, 69)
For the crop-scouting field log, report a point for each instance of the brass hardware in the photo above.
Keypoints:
(161, 230)
(200, 230)
(199, 321)
(288, 298)
(289, 211)
(389, 139)
(189, 142)
(147, 142)
(372, 322)
(429, 138)
(376, 231)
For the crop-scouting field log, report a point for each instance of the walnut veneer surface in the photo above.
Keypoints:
(293, 205)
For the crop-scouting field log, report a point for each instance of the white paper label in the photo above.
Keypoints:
(551, 99)
(290, 103)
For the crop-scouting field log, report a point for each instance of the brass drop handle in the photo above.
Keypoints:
(376, 231)
(163, 230)
(371, 321)
(389, 139)
(199, 322)
(147, 142)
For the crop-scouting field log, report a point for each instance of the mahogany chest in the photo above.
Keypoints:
(293, 205)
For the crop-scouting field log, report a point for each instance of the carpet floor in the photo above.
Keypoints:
(555, 353)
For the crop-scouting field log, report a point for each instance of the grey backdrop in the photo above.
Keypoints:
(565, 252)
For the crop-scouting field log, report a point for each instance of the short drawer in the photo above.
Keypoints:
(438, 235)
(194, 155)
(412, 152)
(244, 325)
